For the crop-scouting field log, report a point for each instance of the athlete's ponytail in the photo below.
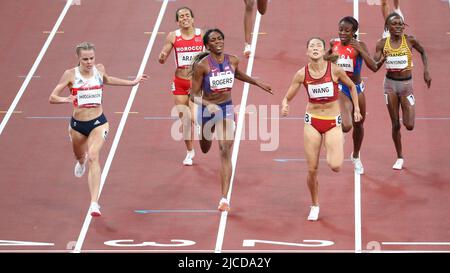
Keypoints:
(196, 60)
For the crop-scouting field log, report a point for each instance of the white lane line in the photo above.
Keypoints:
(123, 120)
(237, 139)
(417, 243)
(34, 67)
(358, 241)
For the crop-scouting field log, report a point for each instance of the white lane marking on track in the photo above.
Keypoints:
(237, 139)
(358, 242)
(23, 243)
(34, 67)
(417, 243)
(358, 239)
(123, 120)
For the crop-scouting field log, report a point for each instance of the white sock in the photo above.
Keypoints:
(223, 200)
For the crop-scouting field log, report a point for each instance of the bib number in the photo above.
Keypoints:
(89, 97)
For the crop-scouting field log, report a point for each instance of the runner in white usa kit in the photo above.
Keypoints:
(214, 73)
(88, 127)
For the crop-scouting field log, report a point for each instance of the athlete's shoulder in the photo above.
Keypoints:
(233, 57)
(410, 38)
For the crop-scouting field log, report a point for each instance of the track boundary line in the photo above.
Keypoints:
(121, 126)
(358, 240)
(35, 66)
(237, 137)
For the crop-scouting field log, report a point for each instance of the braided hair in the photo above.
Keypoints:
(352, 21)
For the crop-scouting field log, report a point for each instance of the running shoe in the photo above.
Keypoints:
(398, 164)
(314, 213)
(247, 50)
(357, 163)
(224, 205)
(94, 210)
(189, 156)
(80, 168)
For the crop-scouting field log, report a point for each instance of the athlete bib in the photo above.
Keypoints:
(396, 62)
(323, 90)
(346, 64)
(221, 80)
(89, 97)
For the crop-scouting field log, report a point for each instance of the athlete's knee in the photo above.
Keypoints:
(93, 157)
(225, 150)
(335, 167)
(358, 126)
(409, 125)
(346, 128)
(249, 4)
(312, 171)
(205, 145)
(396, 125)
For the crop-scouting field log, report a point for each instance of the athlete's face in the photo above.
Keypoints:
(396, 26)
(345, 32)
(87, 59)
(215, 42)
(185, 19)
(316, 49)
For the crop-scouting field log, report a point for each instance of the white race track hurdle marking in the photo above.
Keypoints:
(34, 67)
(123, 120)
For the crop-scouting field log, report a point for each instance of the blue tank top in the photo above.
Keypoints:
(220, 77)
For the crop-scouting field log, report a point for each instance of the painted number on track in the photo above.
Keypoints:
(130, 243)
(306, 243)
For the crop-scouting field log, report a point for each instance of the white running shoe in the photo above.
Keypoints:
(314, 213)
(399, 12)
(80, 168)
(386, 34)
(247, 50)
(189, 156)
(224, 205)
(357, 163)
(94, 209)
(398, 164)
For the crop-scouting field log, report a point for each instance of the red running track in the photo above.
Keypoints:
(41, 201)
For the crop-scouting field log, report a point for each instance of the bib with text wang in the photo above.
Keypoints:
(323, 90)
